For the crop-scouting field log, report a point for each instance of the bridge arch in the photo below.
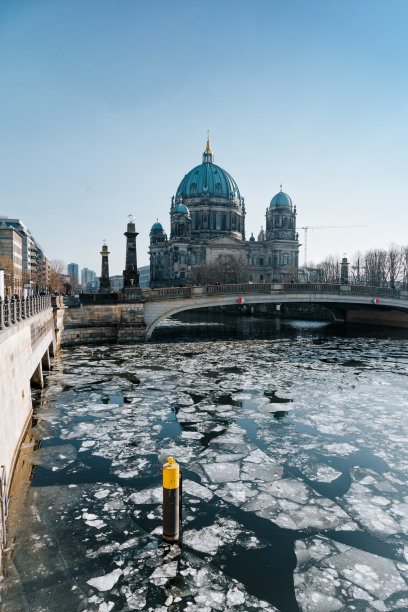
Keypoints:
(341, 300)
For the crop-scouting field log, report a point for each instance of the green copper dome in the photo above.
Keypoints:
(208, 181)
(181, 208)
(281, 199)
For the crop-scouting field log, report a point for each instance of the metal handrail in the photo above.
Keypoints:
(16, 309)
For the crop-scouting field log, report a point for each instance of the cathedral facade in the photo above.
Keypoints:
(207, 221)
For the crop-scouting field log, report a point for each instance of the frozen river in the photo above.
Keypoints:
(293, 445)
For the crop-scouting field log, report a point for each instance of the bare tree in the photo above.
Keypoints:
(329, 270)
(56, 282)
(376, 267)
(404, 267)
(394, 264)
(225, 269)
(357, 268)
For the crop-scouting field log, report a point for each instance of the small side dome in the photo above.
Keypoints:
(157, 226)
(252, 238)
(281, 199)
(181, 208)
(261, 235)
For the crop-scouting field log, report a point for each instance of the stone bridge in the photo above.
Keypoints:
(348, 303)
(27, 339)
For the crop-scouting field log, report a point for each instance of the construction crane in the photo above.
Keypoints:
(313, 227)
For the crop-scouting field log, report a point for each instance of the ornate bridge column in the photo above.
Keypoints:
(131, 288)
(104, 281)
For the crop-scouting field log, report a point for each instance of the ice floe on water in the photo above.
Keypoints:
(332, 576)
(294, 462)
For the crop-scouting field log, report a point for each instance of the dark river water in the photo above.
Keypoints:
(292, 439)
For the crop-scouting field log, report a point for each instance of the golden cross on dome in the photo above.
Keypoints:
(281, 187)
(208, 149)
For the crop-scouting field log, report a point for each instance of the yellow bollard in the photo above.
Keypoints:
(171, 500)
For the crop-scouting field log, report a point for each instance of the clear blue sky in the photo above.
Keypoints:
(105, 105)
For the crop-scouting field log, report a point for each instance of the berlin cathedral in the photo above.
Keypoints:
(207, 221)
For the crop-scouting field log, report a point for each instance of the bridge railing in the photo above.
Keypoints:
(311, 287)
(245, 288)
(374, 290)
(167, 292)
(239, 288)
(16, 309)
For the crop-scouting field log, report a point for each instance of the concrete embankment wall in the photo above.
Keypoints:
(388, 318)
(23, 347)
(103, 324)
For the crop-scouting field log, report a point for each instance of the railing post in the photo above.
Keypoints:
(1, 314)
(30, 306)
(6, 312)
(18, 309)
(13, 310)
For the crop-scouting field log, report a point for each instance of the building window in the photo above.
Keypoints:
(182, 258)
(261, 278)
(218, 222)
(285, 259)
(261, 261)
(193, 221)
(218, 187)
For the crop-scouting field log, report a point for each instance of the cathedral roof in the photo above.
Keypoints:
(181, 208)
(281, 199)
(157, 226)
(208, 181)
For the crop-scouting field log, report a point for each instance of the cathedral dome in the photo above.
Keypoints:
(281, 199)
(181, 208)
(208, 181)
(156, 226)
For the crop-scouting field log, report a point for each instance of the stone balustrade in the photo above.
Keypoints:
(245, 288)
(16, 309)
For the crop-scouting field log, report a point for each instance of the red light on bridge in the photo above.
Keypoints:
(376, 300)
(241, 300)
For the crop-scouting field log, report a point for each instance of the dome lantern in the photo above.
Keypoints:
(208, 155)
